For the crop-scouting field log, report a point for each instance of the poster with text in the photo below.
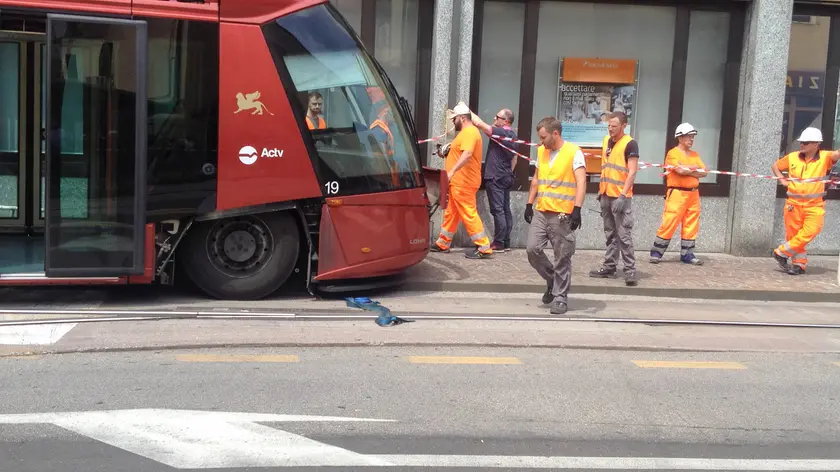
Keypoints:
(588, 90)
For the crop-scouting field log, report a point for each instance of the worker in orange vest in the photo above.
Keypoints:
(682, 198)
(804, 209)
(313, 113)
(619, 164)
(381, 129)
(463, 168)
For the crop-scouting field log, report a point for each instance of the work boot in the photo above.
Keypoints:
(476, 254)
(782, 260)
(795, 270)
(691, 259)
(547, 296)
(558, 308)
(497, 246)
(602, 273)
(655, 257)
(506, 246)
(630, 279)
(436, 248)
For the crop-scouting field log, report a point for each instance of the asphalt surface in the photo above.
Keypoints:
(471, 407)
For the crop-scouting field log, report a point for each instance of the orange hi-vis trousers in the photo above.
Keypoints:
(462, 207)
(682, 208)
(802, 224)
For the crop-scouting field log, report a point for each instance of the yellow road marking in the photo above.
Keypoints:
(21, 356)
(837, 364)
(462, 360)
(236, 358)
(689, 365)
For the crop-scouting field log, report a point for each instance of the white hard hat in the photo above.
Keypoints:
(685, 129)
(460, 109)
(810, 135)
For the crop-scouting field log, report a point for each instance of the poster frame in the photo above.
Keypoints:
(593, 153)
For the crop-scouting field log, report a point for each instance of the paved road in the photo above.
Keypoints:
(475, 408)
(443, 318)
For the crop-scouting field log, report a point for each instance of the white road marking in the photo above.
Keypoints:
(34, 334)
(187, 439)
(605, 463)
(204, 440)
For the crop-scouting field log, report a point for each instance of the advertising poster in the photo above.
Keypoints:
(588, 90)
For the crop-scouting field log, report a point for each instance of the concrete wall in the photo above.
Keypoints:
(648, 212)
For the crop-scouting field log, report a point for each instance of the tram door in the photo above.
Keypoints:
(72, 145)
(22, 152)
(95, 88)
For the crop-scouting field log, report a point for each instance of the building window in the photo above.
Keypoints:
(396, 43)
(708, 40)
(501, 62)
(807, 59)
(576, 30)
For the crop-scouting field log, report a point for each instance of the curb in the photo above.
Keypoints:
(686, 293)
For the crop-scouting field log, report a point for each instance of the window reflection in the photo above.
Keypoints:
(363, 145)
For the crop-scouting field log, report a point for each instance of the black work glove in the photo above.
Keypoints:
(529, 212)
(576, 221)
(621, 204)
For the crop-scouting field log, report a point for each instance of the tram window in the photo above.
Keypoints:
(183, 88)
(74, 180)
(9, 128)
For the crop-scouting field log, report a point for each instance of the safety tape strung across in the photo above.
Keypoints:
(645, 165)
(436, 138)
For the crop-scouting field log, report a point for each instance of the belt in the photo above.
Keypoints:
(684, 189)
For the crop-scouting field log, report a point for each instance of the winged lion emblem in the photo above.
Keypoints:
(250, 102)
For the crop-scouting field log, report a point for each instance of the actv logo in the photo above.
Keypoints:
(248, 154)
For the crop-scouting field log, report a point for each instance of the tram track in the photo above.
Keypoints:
(64, 316)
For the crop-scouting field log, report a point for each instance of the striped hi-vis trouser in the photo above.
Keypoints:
(802, 224)
(462, 207)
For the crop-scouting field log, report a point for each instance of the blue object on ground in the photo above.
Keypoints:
(385, 317)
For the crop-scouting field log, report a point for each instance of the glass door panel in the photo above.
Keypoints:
(11, 149)
(95, 166)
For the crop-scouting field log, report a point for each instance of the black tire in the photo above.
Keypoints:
(241, 258)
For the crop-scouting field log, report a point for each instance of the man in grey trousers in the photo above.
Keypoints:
(619, 164)
(557, 191)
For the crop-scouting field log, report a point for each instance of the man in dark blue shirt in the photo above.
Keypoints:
(498, 175)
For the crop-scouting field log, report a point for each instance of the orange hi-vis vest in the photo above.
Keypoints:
(389, 150)
(614, 169)
(389, 146)
(556, 186)
(807, 193)
(677, 156)
(321, 123)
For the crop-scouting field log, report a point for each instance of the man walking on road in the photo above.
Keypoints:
(463, 168)
(619, 163)
(498, 176)
(557, 192)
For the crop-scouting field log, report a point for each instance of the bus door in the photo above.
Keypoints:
(98, 230)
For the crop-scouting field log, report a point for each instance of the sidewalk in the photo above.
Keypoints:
(721, 277)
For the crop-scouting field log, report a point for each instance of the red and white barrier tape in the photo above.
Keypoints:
(644, 165)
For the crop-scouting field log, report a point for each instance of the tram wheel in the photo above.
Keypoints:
(241, 258)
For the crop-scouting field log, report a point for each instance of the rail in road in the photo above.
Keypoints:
(65, 316)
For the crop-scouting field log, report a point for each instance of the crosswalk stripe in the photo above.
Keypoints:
(462, 360)
(236, 358)
(689, 365)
